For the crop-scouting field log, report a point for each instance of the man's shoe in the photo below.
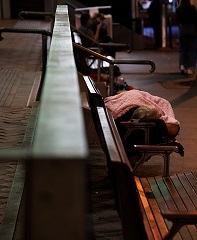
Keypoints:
(177, 144)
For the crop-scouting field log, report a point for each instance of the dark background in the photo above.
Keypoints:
(25, 5)
(121, 12)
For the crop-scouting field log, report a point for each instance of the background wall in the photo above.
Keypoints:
(122, 13)
(5, 9)
(32, 5)
(24, 5)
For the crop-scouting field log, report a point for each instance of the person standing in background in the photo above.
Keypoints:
(187, 19)
(154, 12)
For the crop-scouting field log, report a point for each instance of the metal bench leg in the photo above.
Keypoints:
(166, 157)
(142, 159)
(146, 156)
(175, 228)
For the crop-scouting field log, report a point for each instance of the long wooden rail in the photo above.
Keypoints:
(55, 199)
(56, 179)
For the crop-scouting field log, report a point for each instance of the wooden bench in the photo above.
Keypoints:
(149, 208)
(147, 151)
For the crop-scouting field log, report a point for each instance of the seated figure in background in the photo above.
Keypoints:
(85, 28)
(103, 36)
(99, 18)
(96, 29)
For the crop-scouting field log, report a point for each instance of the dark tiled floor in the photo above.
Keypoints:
(20, 65)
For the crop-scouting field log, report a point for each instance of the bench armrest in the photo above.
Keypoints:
(187, 217)
(179, 219)
(136, 124)
(155, 148)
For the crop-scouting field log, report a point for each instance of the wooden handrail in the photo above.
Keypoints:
(56, 163)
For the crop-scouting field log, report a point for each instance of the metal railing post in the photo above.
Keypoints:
(111, 79)
(26, 14)
(44, 62)
(44, 34)
(99, 67)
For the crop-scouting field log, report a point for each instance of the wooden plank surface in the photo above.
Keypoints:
(173, 193)
(154, 207)
(148, 211)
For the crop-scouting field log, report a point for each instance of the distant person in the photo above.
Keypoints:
(96, 29)
(99, 19)
(187, 19)
(139, 6)
(154, 12)
(85, 28)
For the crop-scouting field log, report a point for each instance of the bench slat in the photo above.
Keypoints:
(154, 207)
(170, 199)
(193, 180)
(184, 193)
(174, 193)
(160, 200)
(189, 187)
(173, 200)
(148, 211)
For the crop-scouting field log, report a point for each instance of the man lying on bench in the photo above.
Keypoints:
(141, 106)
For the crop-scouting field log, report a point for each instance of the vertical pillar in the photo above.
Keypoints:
(56, 203)
(5, 9)
(50, 5)
(164, 25)
(1, 9)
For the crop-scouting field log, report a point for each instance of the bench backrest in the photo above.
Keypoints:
(125, 190)
(120, 171)
(95, 98)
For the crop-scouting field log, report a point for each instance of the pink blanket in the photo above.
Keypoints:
(123, 102)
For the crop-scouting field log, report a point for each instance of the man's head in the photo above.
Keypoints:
(99, 17)
(145, 113)
(85, 18)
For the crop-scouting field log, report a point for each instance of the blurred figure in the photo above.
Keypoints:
(96, 29)
(98, 19)
(187, 19)
(86, 23)
(154, 12)
(85, 28)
